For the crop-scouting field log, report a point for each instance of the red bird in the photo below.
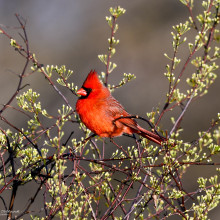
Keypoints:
(99, 111)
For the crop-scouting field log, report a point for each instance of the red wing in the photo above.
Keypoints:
(116, 110)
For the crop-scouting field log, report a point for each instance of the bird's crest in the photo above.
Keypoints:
(92, 81)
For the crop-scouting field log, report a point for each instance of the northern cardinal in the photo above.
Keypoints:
(99, 111)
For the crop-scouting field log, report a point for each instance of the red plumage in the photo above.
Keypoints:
(98, 109)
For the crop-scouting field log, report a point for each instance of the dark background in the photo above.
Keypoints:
(73, 33)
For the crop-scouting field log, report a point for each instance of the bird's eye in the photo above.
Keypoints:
(88, 90)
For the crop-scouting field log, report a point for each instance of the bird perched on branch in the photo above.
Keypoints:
(104, 115)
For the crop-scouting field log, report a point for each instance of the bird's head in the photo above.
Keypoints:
(92, 85)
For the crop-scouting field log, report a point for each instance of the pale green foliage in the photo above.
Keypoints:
(185, 2)
(127, 78)
(105, 58)
(27, 101)
(64, 74)
(204, 65)
(209, 200)
(14, 44)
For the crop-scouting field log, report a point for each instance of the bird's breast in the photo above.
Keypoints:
(95, 117)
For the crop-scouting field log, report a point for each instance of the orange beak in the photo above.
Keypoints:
(82, 92)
